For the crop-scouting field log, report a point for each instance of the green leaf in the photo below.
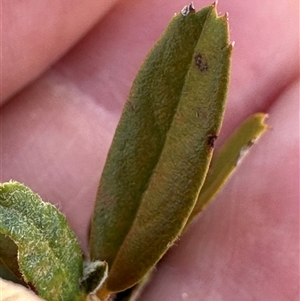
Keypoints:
(48, 252)
(229, 157)
(162, 147)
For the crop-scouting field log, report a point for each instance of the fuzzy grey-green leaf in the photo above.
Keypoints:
(49, 254)
(162, 146)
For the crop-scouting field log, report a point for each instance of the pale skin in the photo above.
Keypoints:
(56, 132)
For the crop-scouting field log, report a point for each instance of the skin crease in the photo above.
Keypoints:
(56, 133)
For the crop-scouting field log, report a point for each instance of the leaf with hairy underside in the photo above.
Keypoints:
(49, 255)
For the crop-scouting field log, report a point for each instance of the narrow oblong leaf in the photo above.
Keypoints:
(162, 147)
(229, 157)
(48, 252)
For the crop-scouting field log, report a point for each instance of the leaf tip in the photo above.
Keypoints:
(215, 3)
(225, 17)
(188, 9)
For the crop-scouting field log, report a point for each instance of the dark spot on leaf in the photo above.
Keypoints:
(250, 143)
(211, 140)
(201, 62)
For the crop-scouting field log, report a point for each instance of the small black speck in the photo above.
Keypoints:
(201, 62)
(211, 140)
